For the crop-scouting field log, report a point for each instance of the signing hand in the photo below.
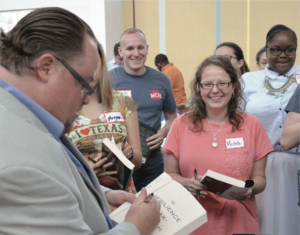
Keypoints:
(242, 196)
(145, 216)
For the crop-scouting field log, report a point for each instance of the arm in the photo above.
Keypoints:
(183, 108)
(172, 168)
(259, 178)
(291, 131)
(133, 138)
(156, 140)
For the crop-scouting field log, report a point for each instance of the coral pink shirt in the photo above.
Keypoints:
(194, 151)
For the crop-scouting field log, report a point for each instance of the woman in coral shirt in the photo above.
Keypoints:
(199, 140)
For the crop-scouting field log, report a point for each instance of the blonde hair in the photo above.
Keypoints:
(103, 86)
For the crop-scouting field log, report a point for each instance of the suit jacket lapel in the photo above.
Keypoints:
(98, 193)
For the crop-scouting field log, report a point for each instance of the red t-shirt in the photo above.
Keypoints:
(194, 151)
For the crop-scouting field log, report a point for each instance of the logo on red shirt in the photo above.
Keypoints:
(155, 95)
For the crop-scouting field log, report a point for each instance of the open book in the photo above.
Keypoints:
(180, 212)
(123, 160)
(223, 185)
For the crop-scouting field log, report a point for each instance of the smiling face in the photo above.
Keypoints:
(282, 63)
(262, 63)
(215, 99)
(228, 51)
(134, 51)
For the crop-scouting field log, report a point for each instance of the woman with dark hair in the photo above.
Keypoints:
(267, 93)
(94, 124)
(235, 54)
(197, 140)
(261, 58)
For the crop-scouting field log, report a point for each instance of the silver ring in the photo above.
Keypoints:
(102, 168)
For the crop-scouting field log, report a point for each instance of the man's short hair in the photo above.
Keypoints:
(131, 31)
(161, 58)
(46, 30)
(116, 49)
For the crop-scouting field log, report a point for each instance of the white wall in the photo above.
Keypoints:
(113, 24)
(91, 11)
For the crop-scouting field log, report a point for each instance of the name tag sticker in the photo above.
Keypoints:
(234, 143)
(126, 92)
(113, 117)
(297, 78)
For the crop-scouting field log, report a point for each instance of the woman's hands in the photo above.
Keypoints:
(194, 185)
(100, 168)
(242, 196)
(127, 151)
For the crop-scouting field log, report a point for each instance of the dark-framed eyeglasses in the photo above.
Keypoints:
(210, 85)
(80, 79)
(229, 56)
(277, 51)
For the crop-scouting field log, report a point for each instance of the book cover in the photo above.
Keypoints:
(145, 132)
(223, 185)
(117, 153)
(176, 216)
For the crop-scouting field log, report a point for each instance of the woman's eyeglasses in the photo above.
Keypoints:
(278, 51)
(210, 85)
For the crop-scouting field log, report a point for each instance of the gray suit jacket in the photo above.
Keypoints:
(41, 190)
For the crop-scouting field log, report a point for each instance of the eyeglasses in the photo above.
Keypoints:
(229, 56)
(81, 80)
(287, 52)
(210, 85)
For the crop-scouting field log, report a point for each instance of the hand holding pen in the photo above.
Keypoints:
(196, 178)
(195, 187)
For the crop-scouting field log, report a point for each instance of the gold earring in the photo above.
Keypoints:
(233, 95)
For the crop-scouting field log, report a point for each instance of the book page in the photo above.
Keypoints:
(180, 212)
(118, 153)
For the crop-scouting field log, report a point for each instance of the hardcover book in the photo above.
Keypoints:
(145, 132)
(180, 212)
(223, 185)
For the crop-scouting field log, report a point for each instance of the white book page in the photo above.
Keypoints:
(180, 213)
(118, 153)
(156, 184)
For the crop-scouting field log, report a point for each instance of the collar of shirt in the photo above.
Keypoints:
(274, 75)
(166, 66)
(54, 126)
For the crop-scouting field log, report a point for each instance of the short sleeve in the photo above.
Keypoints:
(170, 104)
(263, 145)
(172, 144)
(126, 103)
(294, 103)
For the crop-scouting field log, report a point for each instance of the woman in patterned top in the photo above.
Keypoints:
(111, 115)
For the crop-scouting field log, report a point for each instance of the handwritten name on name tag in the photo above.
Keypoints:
(113, 117)
(235, 143)
(126, 92)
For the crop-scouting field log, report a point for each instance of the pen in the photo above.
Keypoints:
(149, 197)
(196, 178)
(93, 161)
(123, 142)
